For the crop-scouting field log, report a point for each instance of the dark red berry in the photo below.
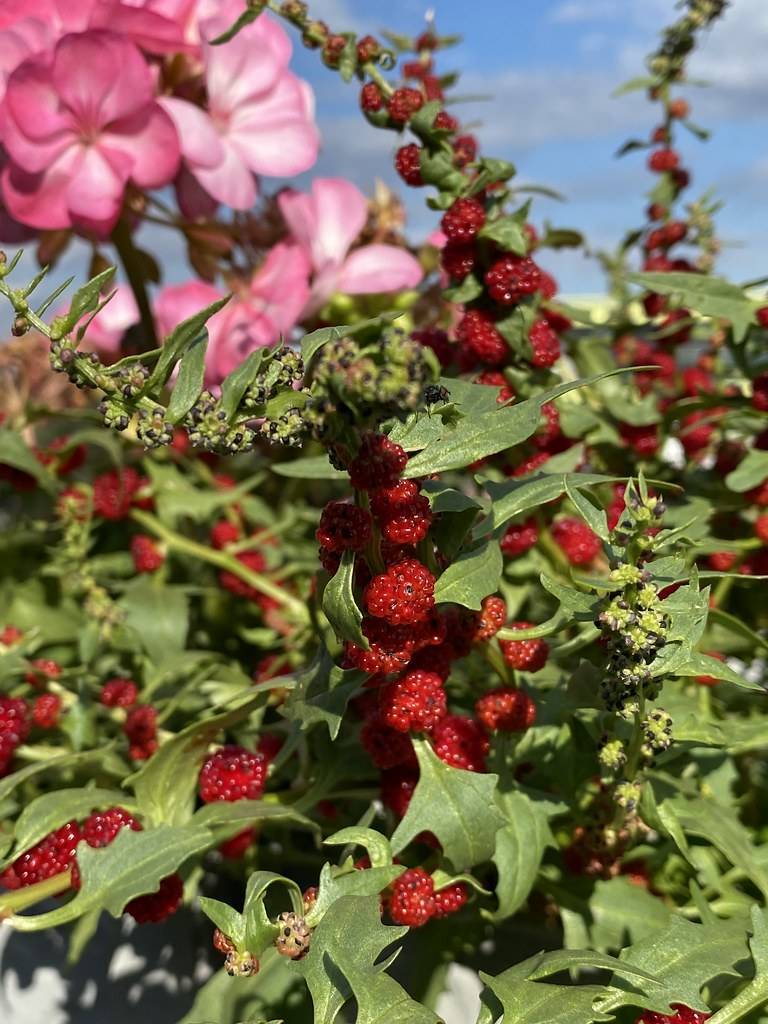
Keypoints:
(397, 786)
(51, 856)
(403, 103)
(489, 620)
(461, 743)
(644, 440)
(576, 540)
(233, 773)
(545, 346)
(450, 899)
(42, 669)
(343, 527)
(147, 556)
(476, 332)
(465, 150)
(519, 538)
(404, 594)
(413, 703)
(511, 278)
(412, 898)
(46, 710)
(101, 827)
(525, 655)
(141, 729)
(663, 160)
(119, 693)
(402, 512)
(378, 463)
(506, 709)
(223, 534)
(114, 493)
(463, 219)
(761, 315)
(390, 647)
(408, 164)
(387, 747)
(760, 392)
(157, 906)
(458, 259)
(371, 98)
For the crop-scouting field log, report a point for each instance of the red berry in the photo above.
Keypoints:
(157, 906)
(101, 827)
(390, 647)
(528, 466)
(403, 514)
(519, 538)
(461, 743)
(343, 527)
(663, 160)
(387, 747)
(413, 703)
(235, 847)
(682, 1015)
(489, 620)
(371, 98)
(463, 219)
(450, 899)
(397, 786)
(495, 379)
(675, 337)
(657, 211)
(511, 278)
(403, 103)
(42, 669)
(119, 693)
(113, 493)
(694, 438)
(256, 562)
(10, 635)
(233, 773)
(412, 898)
(506, 709)
(403, 594)
(525, 655)
(476, 331)
(578, 542)
(761, 528)
(14, 719)
(643, 439)
(51, 856)
(722, 561)
(545, 344)
(147, 556)
(223, 534)
(141, 729)
(378, 463)
(445, 122)
(458, 259)
(46, 710)
(761, 316)
(465, 150)
(408, 164)
(437, 340)
(760, 392)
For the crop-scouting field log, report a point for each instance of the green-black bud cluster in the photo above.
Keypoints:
(632, 620)
(668, 62)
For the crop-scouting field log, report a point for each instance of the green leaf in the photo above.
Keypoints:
(456, 805)
(473, 576)
(697, 664)
(470, 288)
(683, 957)
(332, 886)
(755, 995)
(84, 300)
(159, 615)
(595, 518)
(374, 843)
(339, 604)
(643, 82)
(102, 759)
(177, 342)
(189, 383)
(750, 472)
(236, 383)
(321, 694)
(344, 962)
(312, 467)
(134, 863)
(477, 436)
(708, 295)
(533, 1002)
(165, 786)
(720, 826)
(508, 232)
(514, 497)
(260, 931)
(228, 920)
(621, 911)
(311, 343)
(50, 811)
(520, 846)
(15, 452)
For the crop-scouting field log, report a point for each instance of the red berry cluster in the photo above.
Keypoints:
(115, 492)
(14, 728)
(412, 899)
(146, 555)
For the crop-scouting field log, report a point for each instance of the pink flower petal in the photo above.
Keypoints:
(244, 328)
(150, 140)
(101, 77)
(231, 182)
(40, 200)
(282, 282)
(95, 190)
(273, 133)
(36, 128)
(177, 302)
(378, 268)
(200, 142)
(248, 66)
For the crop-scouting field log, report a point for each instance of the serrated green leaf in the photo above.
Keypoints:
(332, 886)
(706, 294)
(595, 518)
(514, 497)
(133, 864)
(534, 1002)
(456, 805)
(376, 845)
(339, 604)
(312, 467)
(236, 383)
(321, 694)
(698, 664)
(158, 615)
(84, 300)
(473, 576)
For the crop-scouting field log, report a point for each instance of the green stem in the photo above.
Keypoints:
(222, 560)
(753, 997)
(129, 257)
(12, 903)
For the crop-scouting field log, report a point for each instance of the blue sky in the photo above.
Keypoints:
(550, 67)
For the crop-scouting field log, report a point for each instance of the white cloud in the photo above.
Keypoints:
(586, 10)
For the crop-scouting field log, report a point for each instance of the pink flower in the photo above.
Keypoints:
(326, 223)
(259, 119)
(260, 312)
(79, 124)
